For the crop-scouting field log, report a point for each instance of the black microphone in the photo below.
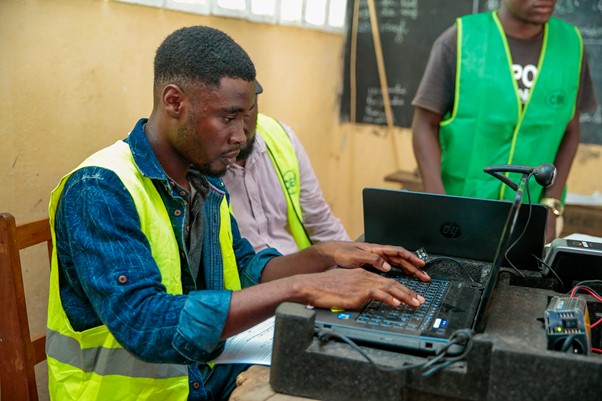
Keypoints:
(544, 174)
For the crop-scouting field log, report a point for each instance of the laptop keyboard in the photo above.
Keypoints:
(403, 316)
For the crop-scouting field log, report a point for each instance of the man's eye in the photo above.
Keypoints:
(229, 119)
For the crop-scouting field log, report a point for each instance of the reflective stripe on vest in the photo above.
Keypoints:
(489, 125)
(281, 151)
(91, 365)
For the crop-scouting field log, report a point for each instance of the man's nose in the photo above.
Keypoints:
(238, 136)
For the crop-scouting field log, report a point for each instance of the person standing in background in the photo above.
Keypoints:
(503, 87)
(274, 192)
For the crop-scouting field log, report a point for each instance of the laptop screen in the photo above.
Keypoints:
(452, 226)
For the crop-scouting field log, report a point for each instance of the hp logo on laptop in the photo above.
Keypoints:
(450, 230)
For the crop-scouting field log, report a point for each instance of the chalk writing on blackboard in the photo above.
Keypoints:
(407, 30)
(392, 20)
(375, 111)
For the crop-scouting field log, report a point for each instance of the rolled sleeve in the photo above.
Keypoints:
(197, 337)
(254, 269)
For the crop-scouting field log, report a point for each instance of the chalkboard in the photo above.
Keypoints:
(407, 31)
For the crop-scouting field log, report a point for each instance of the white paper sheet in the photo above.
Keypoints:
(253, 346)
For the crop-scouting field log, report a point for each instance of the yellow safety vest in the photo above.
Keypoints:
(91, 364)
(281, 151)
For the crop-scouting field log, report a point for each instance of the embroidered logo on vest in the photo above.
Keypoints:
(289, 178)
(556, 99)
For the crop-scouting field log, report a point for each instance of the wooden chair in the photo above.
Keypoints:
(18, 352)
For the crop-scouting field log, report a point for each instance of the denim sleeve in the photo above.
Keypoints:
(108, 271)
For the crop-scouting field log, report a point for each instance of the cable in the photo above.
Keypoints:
(325, 336)
(444, 258)
(590, 282)
(567, 343)
(523, 232)
(588, 290)
(582, 286)
(422, 254)
(549, 268)
(585, 286)
(460, 337)
(512, 271)
(463, 337)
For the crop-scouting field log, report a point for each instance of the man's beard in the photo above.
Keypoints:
(186, 132)
(206, 169)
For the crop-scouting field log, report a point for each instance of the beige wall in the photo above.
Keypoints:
(75, 75)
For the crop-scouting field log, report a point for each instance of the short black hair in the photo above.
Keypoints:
(200, 54)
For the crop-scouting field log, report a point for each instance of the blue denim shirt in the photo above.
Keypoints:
(108, 275)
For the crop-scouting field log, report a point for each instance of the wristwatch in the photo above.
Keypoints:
(554, 205)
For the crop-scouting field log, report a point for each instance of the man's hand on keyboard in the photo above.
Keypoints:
(381, 257)
(351, 288)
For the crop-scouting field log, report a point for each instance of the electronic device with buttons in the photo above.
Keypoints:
(567, 325)
(574, 260)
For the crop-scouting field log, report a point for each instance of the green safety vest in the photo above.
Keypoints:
(281, 151)
(488, 124)
(91, 364)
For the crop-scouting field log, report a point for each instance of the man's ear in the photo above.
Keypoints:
(173, 100)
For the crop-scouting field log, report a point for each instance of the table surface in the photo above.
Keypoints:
(254, 385)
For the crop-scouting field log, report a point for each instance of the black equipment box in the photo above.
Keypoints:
(509, 361)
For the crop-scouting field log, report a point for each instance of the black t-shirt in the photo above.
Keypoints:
(436, 90)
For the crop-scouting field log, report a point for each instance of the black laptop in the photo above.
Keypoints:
(453, 226)
(452, 304)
